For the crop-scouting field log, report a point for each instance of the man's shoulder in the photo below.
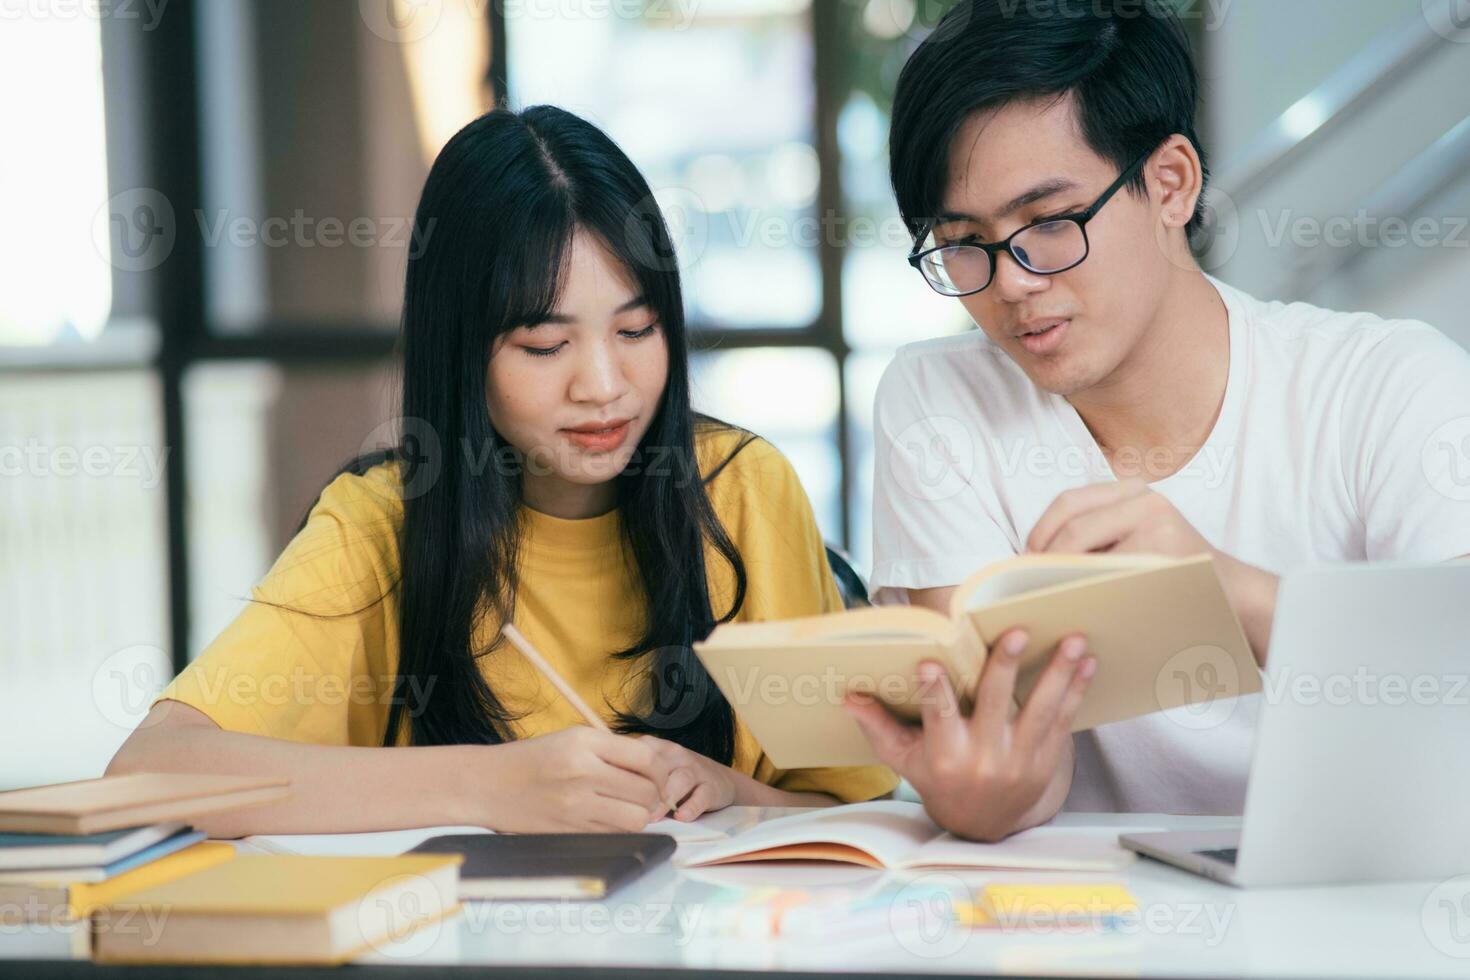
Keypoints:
(1360, 355)
(968, 365)
(1345, 336)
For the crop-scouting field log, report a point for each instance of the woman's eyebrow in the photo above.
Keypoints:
(562, 318)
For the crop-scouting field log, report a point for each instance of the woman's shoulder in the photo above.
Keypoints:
(735, 459)
(349, 540)
(748, 478)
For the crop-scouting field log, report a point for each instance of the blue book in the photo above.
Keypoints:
(19, 852)
(91, 875)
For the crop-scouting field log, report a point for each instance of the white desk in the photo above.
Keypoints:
(1188, 926)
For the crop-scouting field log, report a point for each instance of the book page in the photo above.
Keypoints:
(1033, 573)
(889, 830)
(1041, 848)
(385, 843)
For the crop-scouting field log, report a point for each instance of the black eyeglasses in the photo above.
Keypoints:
(1045, 247)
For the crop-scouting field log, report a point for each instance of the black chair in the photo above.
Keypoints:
(854, 590)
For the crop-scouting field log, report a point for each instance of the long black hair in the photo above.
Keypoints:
(496, 219)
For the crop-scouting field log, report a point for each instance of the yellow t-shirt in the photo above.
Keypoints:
(327, 679)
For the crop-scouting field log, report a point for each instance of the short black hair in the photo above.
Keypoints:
(1127, 63)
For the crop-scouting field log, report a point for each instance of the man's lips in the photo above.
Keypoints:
(1040, 337)
(1033, 327)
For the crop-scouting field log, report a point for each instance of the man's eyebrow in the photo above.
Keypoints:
(1041, 191)
(562, 318)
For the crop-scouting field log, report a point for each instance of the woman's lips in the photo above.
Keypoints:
(599, 440)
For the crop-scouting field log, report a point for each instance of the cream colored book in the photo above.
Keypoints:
(92, 806)
(1162, 630)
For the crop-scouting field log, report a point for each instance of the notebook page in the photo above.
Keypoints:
(890, 830)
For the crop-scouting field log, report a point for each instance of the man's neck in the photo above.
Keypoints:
(1165, 397)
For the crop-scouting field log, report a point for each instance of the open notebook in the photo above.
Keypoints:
(896, 835)
(1162, 630)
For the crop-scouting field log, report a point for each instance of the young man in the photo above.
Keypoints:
(1116, 398)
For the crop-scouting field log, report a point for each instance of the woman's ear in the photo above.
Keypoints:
(1176, 176)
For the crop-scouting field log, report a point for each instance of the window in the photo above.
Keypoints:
(762, 127)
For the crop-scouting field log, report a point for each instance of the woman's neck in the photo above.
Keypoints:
(556, 497)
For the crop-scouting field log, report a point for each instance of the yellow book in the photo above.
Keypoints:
(282, 909)
(52, 902)
(1162, 631)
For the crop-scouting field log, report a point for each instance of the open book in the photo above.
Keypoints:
(896, 835)
(1162, 631)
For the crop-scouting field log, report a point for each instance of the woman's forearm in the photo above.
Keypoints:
(334, 789)
(753, 792)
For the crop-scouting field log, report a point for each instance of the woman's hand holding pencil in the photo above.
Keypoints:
(683, 783)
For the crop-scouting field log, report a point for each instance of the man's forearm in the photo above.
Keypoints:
(1252, 593)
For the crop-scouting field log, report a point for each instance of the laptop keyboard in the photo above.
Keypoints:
(1226, 854)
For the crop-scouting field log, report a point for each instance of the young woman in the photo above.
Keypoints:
(551, 474)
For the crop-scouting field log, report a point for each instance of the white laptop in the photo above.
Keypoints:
(1361, 763)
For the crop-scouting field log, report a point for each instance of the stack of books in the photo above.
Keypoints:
(118, 855)
(69, 849)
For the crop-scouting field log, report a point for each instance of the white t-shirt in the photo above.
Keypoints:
(1342, 437)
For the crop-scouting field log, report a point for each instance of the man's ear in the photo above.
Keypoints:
(1175, 176)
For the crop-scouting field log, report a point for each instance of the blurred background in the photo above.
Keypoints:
(208, 211)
